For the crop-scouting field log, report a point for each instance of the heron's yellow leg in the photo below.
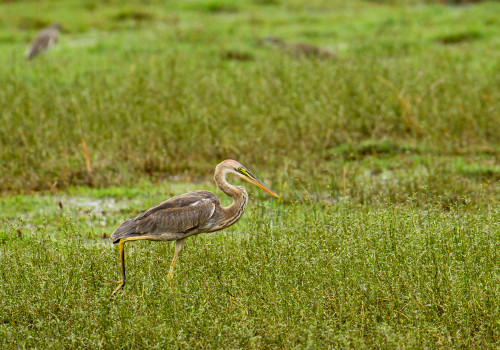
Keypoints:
(179, 244)
(121, 246)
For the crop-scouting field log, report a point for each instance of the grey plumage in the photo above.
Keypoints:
(44, 41)
(177, 217)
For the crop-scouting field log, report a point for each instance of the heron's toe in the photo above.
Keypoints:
(117, 289)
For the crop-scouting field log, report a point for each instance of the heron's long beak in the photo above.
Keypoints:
(252, 179)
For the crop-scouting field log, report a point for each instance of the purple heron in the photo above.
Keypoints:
(44, 41)
(188, 214)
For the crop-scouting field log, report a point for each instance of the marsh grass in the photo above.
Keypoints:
(386, 158)
(154, 95)
(285, 276)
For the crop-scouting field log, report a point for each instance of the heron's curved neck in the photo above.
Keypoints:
(237, 193)
(226, 187)
(232, 213)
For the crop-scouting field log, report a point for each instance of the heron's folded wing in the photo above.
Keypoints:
(168, 220)
(183, 200)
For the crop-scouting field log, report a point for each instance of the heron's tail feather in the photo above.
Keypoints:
(126, 229)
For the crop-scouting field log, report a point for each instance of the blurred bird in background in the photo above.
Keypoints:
(44, 41)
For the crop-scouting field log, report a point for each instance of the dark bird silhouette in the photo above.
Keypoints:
(189, 214)
(44, 41)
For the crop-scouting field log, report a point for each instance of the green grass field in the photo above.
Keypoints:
(386, 153)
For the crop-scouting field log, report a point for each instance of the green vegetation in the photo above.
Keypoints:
(386, 153)
(307, 275)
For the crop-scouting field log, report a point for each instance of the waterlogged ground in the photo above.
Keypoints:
(286, 275)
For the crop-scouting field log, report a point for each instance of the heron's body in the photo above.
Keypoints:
(182, 216)
(189, 214)
(44, 41)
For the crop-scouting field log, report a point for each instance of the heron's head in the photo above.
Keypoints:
(235, 167)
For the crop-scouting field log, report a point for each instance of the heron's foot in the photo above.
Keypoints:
(120, 286)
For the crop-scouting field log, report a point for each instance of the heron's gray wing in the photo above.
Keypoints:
(177, 220)
(180, 201)
(180, 214)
